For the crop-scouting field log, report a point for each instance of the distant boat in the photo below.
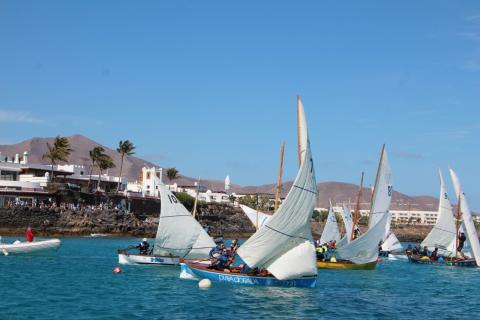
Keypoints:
(179, 236)
(444, 234)
(330, 231)
(38, 246)
(282, 248)
(98, 235)
(257, 218)
(362, 252)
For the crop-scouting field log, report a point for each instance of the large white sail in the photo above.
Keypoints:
(382, 197)
(255, 216)
(330, 231)
(364, 249)
(284, 244)
(178, 233)
(443, 234)
(347, 221)
(468, 224)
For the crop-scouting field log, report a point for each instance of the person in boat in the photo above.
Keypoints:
(461, 241)
(425, 252)
(221, 262)
(232, 251)
(29, 235)
(409, 250)
(356, 232)
(434, 255)
(320, 253)
(217, 250)
(416, 250)
(143, 246)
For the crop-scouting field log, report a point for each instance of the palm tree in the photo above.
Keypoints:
(172, 174)
(104, 162)
(94, 155)
(59, 151)
(124, 148)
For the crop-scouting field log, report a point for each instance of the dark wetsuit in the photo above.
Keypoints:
(461, 242)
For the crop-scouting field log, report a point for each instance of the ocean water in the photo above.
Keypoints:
(77, 282)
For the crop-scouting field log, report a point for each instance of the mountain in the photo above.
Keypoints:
(338, 192)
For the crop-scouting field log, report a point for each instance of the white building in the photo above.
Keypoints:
(150, 179)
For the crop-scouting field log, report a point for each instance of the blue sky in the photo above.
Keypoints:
(210, 87)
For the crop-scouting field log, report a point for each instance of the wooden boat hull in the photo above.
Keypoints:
(467, 263)
(30, 247)
(243, 279)
(346, 265)
(132, 259)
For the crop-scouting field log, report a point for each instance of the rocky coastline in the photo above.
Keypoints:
(221, 220)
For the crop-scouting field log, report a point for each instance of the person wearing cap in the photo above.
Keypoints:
(143, 246)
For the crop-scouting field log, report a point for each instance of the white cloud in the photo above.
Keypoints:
(10, 116)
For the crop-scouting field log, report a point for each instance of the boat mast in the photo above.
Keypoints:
(299, 101)
(279, 179)
(194, 212)
(376, 183)
(457, 223)
(357, 208)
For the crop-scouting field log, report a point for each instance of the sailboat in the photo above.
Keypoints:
(258, 218)
(33, 247)
(330, 231)
(179, 236)
(444, 234)
(282, 248)
(361, 253)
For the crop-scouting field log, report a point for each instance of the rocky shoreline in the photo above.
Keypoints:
(221, 220)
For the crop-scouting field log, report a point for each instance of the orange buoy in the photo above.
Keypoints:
(117, 270)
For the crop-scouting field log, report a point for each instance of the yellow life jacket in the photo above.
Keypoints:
(333, 259)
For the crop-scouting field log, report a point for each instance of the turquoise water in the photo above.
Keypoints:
(77, 282)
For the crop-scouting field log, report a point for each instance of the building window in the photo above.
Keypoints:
(148, 175)
(158, 175)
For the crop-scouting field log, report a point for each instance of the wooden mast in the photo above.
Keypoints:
(457, 224)
(375, 185)
(357, 209)
(299, 101)
(194, 212)
(279, 178)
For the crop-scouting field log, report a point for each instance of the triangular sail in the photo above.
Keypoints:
(443, 234)
(255, 216)
(468, 223)
(382, 197)
(178, 233)
(347, 221)
(330, 231)
(284, 244)
(364, 249)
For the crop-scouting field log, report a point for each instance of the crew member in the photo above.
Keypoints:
(143, 246)
(425, 251)
(461, 241)
(434, 255)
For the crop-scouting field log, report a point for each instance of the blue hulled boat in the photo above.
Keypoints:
(233, 278)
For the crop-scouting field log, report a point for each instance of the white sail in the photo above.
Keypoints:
(178, 233)
(347, 221)
(443, 233)
(391, 244)
(467, 218)
(382, 195)
(255, 216)
(284, 244)
(364, 249)
(330, 231)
